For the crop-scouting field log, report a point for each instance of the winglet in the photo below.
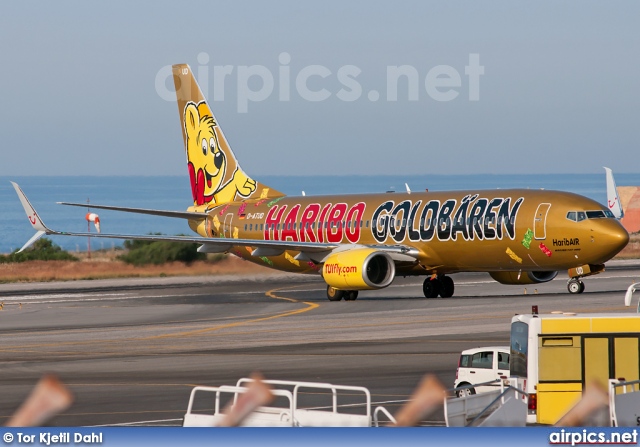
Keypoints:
(34, 218)
(613, 201)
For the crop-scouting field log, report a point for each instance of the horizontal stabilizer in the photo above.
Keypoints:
(32, 241)
(177, 214)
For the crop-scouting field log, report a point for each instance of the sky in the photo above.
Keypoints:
(83, 90)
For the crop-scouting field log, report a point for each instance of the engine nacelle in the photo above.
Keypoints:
(359, 269)
(525, 277)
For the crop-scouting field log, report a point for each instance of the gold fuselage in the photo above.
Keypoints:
(454, 231)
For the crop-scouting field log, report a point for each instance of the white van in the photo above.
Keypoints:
(481, 365)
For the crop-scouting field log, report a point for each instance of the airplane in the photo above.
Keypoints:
(364, 241)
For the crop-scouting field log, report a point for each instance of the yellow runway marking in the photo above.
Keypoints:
(271, 294)
(167, 325)
(260, 318)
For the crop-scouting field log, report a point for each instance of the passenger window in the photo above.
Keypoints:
(503, 360)
(581, 216)
(251, 227)
(465, 361)
(367, 225)
(245, 227)
(571, 215)
(482, 360)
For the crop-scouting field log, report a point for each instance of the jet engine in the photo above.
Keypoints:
(359, 269)
(523, 277)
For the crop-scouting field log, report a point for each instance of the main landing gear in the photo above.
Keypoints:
(441, 285)
(337, 295)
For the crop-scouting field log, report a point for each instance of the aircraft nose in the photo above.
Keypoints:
(614, 238)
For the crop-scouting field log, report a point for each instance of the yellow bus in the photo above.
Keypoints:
(555, 355)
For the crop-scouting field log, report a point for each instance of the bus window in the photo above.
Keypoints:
(519, 346)
(559, 359)
(626, 357)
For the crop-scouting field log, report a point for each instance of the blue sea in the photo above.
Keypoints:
(174, 193)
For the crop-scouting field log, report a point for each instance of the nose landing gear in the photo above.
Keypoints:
(574, 285)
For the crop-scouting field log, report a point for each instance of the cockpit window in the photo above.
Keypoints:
(595, 214)
(578, 216)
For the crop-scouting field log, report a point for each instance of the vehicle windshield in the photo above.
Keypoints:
(519, 349)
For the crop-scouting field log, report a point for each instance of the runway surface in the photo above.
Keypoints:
(131, 350)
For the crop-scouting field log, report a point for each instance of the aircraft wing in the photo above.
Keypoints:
(178, 214)
(313, 250)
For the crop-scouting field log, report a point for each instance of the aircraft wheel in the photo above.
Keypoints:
(334, 294)
(575, 286)
(351, 295)
(431, 287)
(447, 286)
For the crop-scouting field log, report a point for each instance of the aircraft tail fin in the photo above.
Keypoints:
(34, 219)
(613, 200)
(215, 174)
